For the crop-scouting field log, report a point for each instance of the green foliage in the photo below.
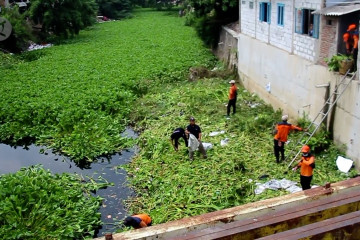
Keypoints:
(21, 33)
(63, 18)
(76, 98)
(320, 140)
(171, 187)
(114, 9)
(208, 29)
(35, 204)
(208, 16)
(334, 62)
(7, 61)
(163, 4)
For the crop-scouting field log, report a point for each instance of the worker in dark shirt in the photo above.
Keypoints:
(196, 131)
(178, 133)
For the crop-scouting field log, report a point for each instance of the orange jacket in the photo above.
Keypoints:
(351, 40)
(283, 129)
(306, 170)
(145, 219)
(232, 92)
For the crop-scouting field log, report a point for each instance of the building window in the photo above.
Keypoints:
(307, 23)
(265, 9)
(280, 12)
(251, 5)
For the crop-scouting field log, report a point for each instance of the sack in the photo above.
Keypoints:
(193, 143)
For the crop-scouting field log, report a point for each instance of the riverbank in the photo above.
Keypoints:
(170, 187)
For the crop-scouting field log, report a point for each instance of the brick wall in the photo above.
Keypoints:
(304, 46)
(328, 38)
(248, 15)
(282, 37)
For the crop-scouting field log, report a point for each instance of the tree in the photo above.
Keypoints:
(115, 9)
(21, 31)
(207, 16)
(63, 17)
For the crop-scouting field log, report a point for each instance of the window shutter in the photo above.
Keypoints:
(279, 15)
(316, 26)
(261, 9)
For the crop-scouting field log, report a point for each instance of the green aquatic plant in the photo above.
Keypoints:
(36, 204)
(75, 98)
(170, 187)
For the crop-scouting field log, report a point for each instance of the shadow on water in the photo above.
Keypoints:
(13, 158)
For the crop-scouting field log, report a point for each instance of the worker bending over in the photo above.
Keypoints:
(138, 221)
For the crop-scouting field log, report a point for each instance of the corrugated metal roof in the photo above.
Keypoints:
(338, 10)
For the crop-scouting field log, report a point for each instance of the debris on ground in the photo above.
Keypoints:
(34, 46)
(207, 146)
(274, 184)
(224, 142)
(344, 164)
(216, 133)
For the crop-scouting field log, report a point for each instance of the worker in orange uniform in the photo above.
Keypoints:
(307, 164)
(282, 131)
(351, 39)
(138, 221)
(232, 98)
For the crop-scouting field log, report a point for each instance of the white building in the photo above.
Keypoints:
(281, 59)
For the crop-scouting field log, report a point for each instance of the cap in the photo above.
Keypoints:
(351, 27)
(285, 117)
(192, 119)
(305, 148)
(232, 81)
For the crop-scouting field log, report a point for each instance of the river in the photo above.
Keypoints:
(112, 210)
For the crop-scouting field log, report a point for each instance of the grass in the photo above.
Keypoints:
(170, 187)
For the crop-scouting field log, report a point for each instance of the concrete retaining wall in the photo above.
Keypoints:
(227, 50)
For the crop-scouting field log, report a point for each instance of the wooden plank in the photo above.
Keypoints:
(341, 227)
(282, 220)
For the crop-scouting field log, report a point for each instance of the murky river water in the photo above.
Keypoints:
(112, 210)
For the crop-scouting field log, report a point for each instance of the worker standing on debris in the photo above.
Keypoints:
(138, 221)
(178, 133)
(195, 130)
(351, 39)
(282, 131)
(232, 98)
(307, 164)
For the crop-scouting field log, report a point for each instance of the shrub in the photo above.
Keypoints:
(115, 9)
(334, 62)
(63, 18)
(35, 204)
(21, 34)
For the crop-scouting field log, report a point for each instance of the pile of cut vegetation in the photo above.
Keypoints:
(171, 187)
